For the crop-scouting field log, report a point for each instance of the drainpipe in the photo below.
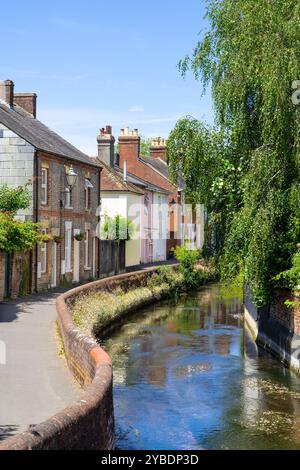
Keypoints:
(36, 213)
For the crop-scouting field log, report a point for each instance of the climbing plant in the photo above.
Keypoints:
(249, 57)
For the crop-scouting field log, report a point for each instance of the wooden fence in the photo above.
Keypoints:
(112, 257)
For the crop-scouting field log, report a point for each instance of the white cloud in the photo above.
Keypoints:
(136, 109)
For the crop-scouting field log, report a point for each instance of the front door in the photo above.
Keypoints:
(76, 258)
(53, 267)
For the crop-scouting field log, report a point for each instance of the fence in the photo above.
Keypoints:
(112, 257)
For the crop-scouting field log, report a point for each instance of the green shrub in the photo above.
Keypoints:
(167, 278)
(187, 258)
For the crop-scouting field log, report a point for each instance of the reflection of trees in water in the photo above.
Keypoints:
(138, 341)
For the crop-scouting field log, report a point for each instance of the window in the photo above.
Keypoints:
(68, 246)
(44, 186)
(86, 249)
(87, 192)
(44, 255)
(68, 198)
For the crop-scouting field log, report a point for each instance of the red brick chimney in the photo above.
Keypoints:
(158, 148)
(27, 101)
(7, 92)
(129, 147)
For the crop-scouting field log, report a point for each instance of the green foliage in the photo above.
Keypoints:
(291, 277)
(18, 236)
(250, 57)
(13, 199)
(14, 234)
(167, 277)
(145, 146)
(116, 228)
(192, 277)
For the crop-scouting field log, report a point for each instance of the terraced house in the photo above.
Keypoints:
(65, 195)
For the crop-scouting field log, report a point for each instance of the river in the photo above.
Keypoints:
(188, 376)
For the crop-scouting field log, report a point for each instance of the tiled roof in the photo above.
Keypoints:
(161, 167)
(112, 180)
(38, 135)
(143, 183)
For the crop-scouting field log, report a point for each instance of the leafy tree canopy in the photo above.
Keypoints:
(247, 171)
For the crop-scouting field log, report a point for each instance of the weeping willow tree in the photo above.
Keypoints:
(250, 57)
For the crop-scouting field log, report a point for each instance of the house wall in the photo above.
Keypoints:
(127, 205)
(146, 216)
(133, 246)
(160, 226)
(55, 219)
(16, 163)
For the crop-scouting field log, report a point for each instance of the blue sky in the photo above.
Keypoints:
(97, 62)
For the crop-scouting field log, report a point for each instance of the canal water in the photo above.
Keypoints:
(188, 376)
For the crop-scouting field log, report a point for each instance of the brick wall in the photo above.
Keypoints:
(286, 316)
(89, 423)
(276, 327)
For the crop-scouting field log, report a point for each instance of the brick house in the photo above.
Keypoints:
(30, 151)
(184, 223)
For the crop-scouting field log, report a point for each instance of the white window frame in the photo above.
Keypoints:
(44, 186)
(68, 247)
(44, 254)
(86, 250)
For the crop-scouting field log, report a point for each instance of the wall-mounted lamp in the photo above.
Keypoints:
(71, 176)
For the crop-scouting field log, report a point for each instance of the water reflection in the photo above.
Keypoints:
(187, 376)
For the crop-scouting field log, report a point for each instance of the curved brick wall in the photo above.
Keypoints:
(88, 423)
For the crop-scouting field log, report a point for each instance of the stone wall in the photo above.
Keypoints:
(276, 327)
(16, 162)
